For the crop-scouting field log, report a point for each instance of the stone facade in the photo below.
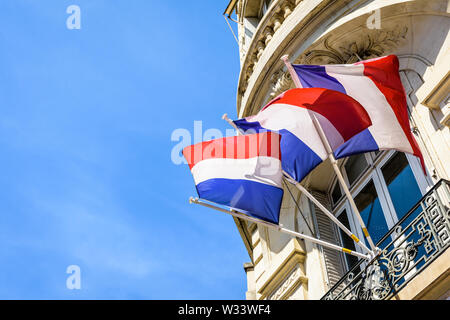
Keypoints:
(335, 32)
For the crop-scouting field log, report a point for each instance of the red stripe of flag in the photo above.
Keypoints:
(346, 114)
(236, 147)
(384, 72)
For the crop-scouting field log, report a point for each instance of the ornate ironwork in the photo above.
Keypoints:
(407, 249)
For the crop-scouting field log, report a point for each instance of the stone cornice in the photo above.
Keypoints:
(438, 93)
(246, 237)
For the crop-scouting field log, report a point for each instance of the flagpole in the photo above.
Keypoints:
(280, 228)
(327, 213)
(333, 161)
(291, 70)
(343, 183)
(311, 197)
(231, 123)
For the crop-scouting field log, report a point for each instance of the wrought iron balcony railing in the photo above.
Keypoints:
(407, 249)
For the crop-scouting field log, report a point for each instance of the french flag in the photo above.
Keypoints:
(242, 172)
(340, 116)
(376, 85)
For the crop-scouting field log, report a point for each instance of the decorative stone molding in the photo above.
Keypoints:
(438, 94)
(277, 21)
(287, 276)
(268, 33)
(260, 46)
(291, 283)
(370, 44)
(439, 100)
(270, 23)
(287, 8)
(281, 81)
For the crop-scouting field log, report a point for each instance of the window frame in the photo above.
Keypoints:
(374, 173)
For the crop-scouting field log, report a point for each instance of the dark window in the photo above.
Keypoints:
(336, 193)
(347, 242)
(355, 166)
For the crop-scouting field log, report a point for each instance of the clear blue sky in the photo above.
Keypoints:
(85, 127)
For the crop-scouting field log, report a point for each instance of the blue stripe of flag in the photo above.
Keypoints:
(256, 199)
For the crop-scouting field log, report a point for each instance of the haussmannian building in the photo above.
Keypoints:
(406, 211)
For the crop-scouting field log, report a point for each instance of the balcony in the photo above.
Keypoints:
(408, 251)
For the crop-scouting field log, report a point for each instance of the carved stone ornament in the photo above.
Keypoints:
(372, 44)
(281, 81)
(287, 284)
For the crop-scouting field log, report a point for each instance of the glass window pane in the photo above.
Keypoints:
(354, 166)
(336, 193)
(369, 206)
(347, 242)
(401, 184)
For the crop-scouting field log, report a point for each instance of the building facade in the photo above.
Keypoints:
(406, 211)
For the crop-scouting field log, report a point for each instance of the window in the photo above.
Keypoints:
(401, 184)
(385, 186)
(355, 166)
(336, 193)
(369, 207)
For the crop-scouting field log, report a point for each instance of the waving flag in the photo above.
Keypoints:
(376, 85)
(340, 116)
(242, 172)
